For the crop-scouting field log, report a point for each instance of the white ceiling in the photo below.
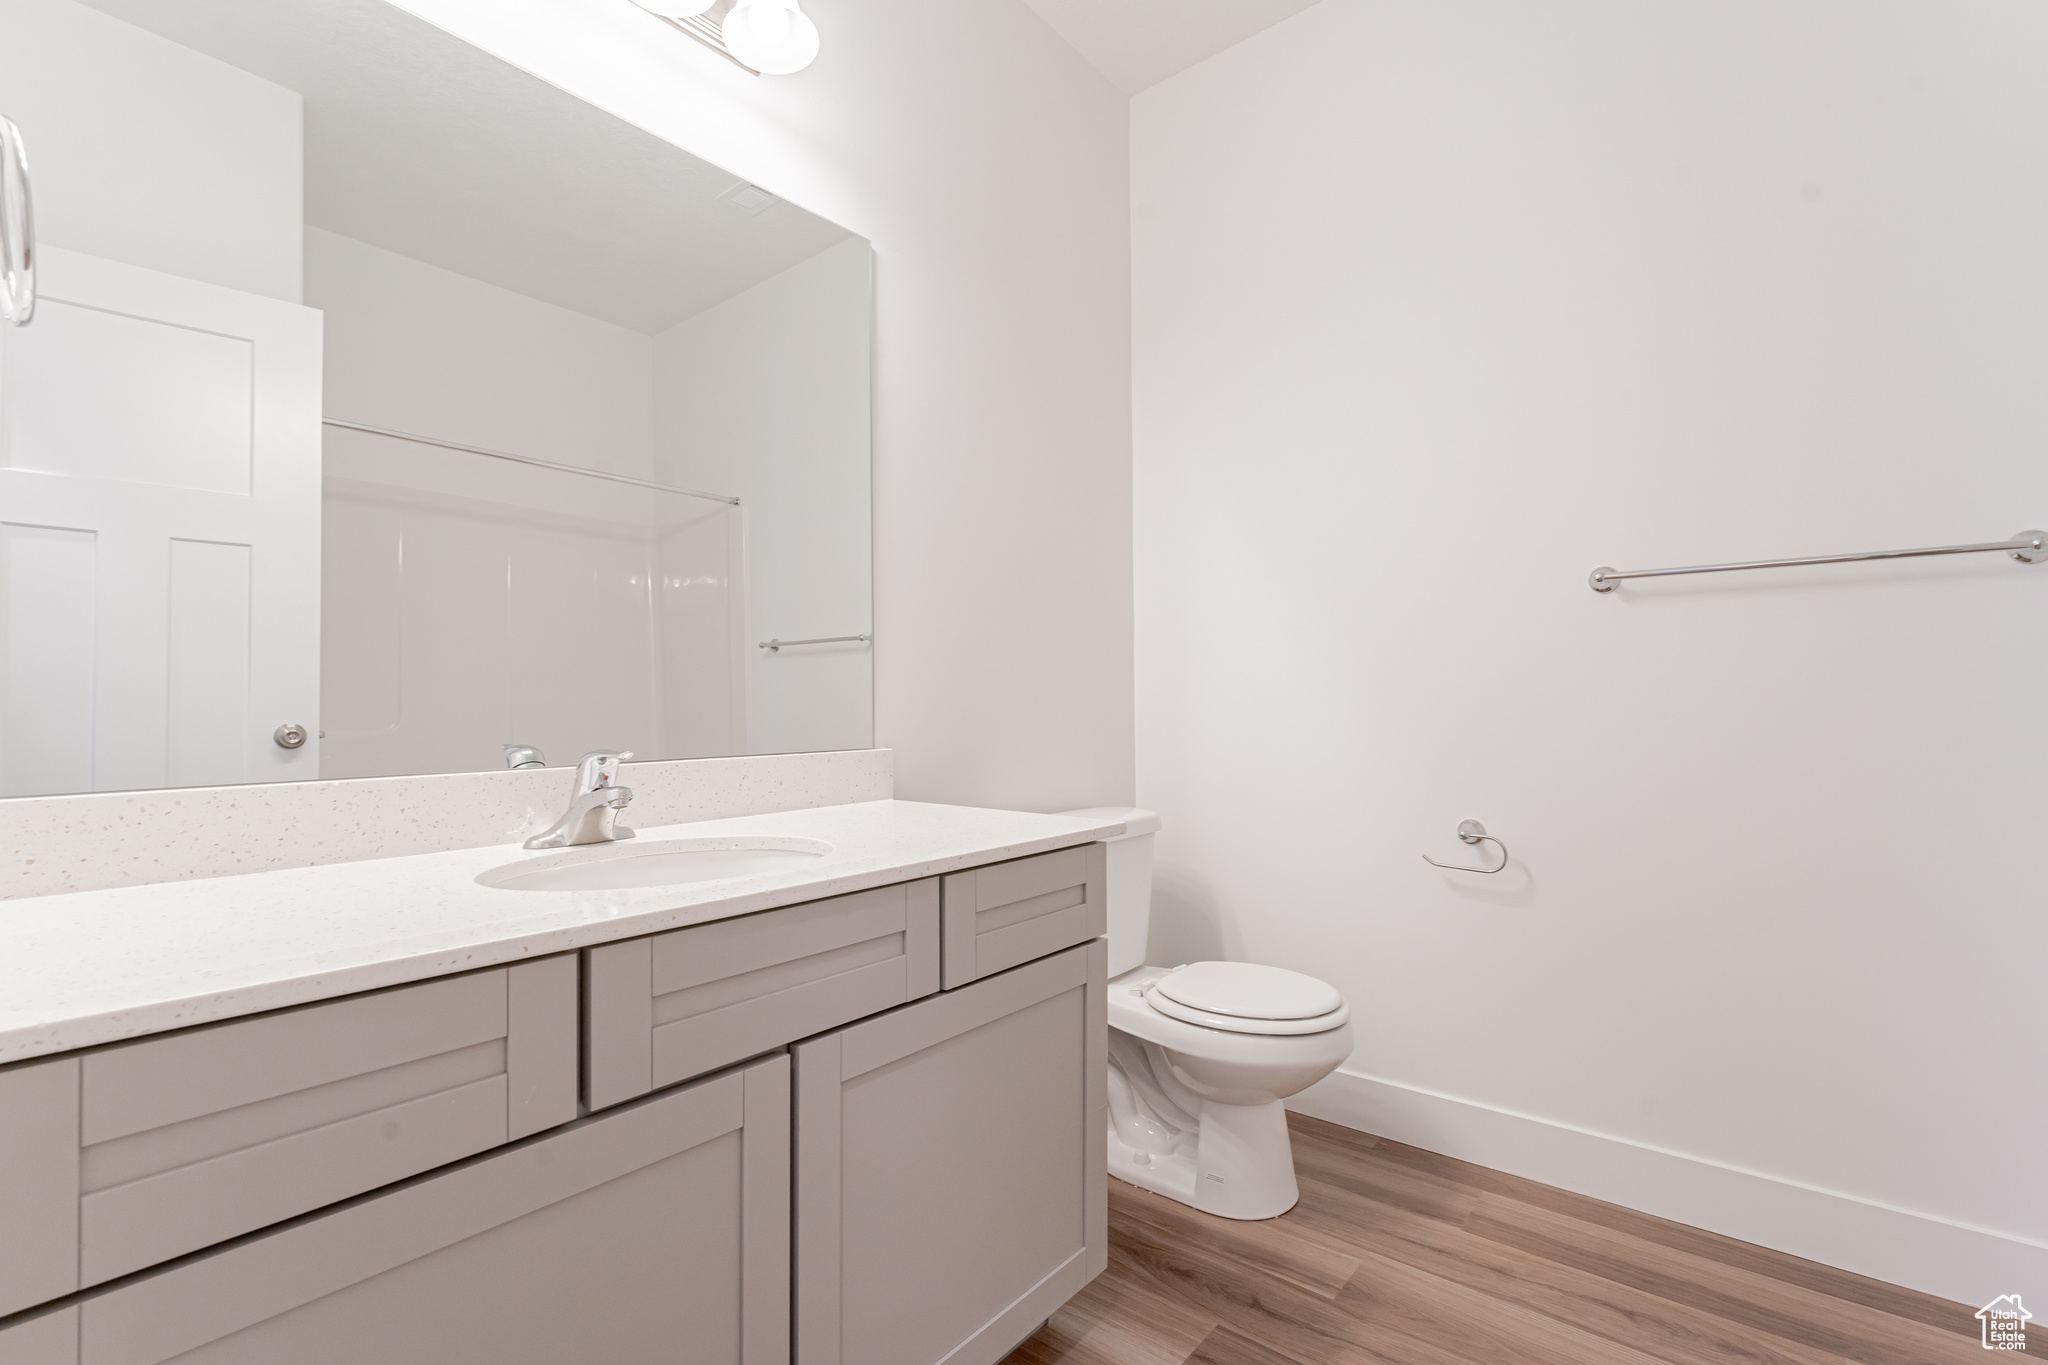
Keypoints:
(423, 145)
(1137, 43)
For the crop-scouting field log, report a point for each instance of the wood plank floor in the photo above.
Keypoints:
(1397, 1256)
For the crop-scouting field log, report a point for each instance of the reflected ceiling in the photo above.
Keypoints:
(423, 145)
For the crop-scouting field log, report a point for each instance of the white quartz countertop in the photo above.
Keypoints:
(92, 967)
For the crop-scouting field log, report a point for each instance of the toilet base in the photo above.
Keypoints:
(1243, 1165)
(1172, 1175)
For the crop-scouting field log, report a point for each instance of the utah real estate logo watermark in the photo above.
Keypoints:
(2005, 1321)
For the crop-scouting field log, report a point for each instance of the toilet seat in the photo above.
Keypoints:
(1246, 997)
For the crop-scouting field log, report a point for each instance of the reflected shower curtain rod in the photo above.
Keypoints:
(527, 460)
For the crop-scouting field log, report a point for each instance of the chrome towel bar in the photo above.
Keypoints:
(2028, 547)
(776, 646)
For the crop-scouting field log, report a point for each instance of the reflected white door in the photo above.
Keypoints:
(159, 533)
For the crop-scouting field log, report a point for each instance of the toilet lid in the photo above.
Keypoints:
(1249, 991)
(1245, 997)
(1231, 1023)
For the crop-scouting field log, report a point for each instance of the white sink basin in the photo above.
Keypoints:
(627, 866)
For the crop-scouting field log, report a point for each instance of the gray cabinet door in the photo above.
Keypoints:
(951, 1180)
(680, 1004)
(1004, 914)
(658, 1232)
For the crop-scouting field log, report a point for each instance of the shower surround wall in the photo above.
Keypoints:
(470, 602)
(1440, 305)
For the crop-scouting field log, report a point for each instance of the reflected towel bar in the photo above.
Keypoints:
(526, 459)
(2028, 547)
(776, 646)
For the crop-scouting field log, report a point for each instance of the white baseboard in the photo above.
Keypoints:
(1970, 1265)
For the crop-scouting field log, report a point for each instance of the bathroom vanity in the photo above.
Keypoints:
(343, 489)
(392, 1110)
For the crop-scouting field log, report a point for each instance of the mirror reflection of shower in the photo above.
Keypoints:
(474, 606)
(602, 583)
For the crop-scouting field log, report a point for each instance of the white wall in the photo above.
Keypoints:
(150, 153)
(1440, 305)
(765, 396)
(412, 347)
(987, 163)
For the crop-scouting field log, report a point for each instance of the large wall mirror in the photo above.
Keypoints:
(379, 389)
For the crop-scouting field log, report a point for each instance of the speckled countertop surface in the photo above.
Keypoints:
(96, 967)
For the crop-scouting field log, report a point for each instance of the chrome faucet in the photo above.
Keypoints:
(593, 807)
(524, 756)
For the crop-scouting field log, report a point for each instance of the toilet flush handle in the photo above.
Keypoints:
(1472, 832)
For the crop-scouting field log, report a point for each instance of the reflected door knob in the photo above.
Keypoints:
(290, 736)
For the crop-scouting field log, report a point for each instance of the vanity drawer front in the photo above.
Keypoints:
(677, 1005)
(193, 1138)
(1004, 915)
(656, 1233)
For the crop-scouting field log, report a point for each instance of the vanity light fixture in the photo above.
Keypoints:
(766, 37)
(772, 36)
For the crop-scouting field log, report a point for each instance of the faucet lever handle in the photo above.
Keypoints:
(598, 767)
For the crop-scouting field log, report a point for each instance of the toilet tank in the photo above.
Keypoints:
(1130, 881)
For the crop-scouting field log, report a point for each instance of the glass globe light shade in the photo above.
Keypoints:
(772, 36)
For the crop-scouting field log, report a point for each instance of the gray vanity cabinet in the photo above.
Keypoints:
(658, 1232)
(950, 1172)
(796, 1145)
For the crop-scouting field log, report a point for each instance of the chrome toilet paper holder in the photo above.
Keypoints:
(1472, 832)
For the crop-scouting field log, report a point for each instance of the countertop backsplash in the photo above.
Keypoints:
(107, 839)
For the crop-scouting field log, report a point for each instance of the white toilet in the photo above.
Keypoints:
(1201, 1056)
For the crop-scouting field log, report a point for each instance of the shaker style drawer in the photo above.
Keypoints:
(189, 1139)
(1001, 916)
(658, 1232)
(664, 1009)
